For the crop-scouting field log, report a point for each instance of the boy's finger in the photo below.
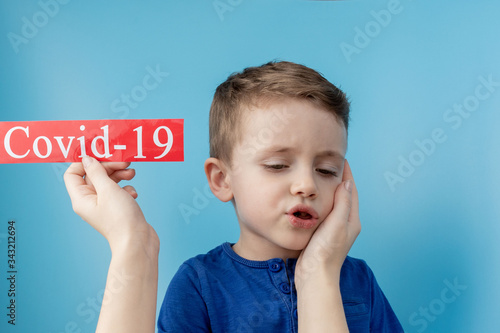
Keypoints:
(112, 167)
(342, 202)
(73, 179)
(96, 173)
(347, 173)
(117, 171)
(131, 190)
(120, 175)
(355, 201)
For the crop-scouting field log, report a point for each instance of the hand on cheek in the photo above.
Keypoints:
(333, 239)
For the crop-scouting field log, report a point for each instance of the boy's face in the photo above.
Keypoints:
(283, 176)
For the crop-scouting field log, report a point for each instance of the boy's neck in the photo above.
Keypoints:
(263, 252)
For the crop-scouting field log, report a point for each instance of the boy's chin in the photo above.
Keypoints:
(298, 245)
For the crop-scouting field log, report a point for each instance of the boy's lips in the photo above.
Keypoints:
(302, 216)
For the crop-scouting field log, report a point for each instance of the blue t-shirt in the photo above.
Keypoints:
(223, 292)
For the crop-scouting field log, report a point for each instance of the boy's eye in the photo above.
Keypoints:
(275, 166)
(327, 172)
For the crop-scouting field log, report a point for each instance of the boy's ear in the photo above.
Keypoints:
(218, 179)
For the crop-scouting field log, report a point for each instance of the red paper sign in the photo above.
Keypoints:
(146, 140)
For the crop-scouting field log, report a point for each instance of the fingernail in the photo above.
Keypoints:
(348, 185)
(86, 161)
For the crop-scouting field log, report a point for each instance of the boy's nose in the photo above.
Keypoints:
(304, 185)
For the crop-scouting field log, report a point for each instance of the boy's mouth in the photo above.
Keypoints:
(302, 216)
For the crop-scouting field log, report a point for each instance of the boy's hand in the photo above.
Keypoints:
(101, 202)
(113, 211)
(330, 243)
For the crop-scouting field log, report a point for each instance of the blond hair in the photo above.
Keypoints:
(271, 81)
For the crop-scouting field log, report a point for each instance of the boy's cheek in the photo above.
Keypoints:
(332, 205)
(338, 183)
(328, 213)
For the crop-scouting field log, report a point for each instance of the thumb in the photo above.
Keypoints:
(96, 173)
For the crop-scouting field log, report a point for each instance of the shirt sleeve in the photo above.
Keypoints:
(183, 308)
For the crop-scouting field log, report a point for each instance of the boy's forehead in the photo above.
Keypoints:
(285, 123)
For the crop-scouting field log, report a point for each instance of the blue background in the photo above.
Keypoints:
(439, 226)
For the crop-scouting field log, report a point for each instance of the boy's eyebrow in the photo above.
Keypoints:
(332, 153)
(326, 153)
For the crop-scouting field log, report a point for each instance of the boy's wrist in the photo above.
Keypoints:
(320, 274)
(319, 301)
(141, 241)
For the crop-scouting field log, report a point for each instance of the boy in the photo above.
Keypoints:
(278, 137)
